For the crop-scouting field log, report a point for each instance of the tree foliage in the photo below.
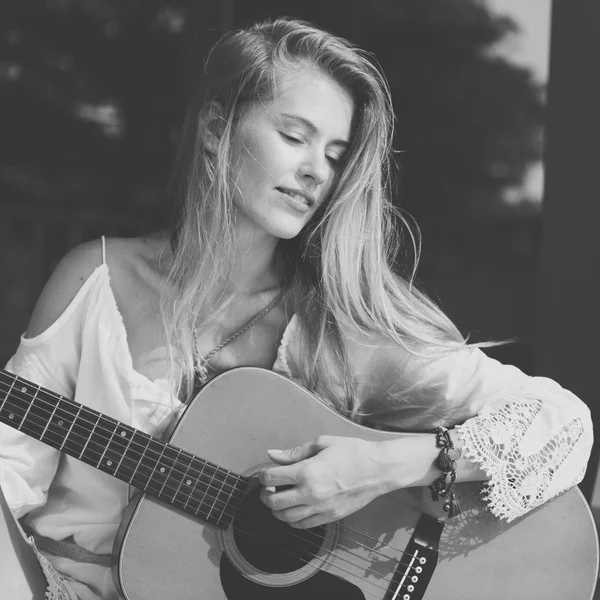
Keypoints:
(93, 93)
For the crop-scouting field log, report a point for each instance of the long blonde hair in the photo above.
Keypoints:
(338, 271)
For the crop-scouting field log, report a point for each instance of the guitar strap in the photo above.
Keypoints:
(67, 549)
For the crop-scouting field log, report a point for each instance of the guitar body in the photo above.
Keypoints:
(163, 553)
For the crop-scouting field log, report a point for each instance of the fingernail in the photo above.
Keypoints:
(274, 451)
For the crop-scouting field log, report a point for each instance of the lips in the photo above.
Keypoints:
(298, 195)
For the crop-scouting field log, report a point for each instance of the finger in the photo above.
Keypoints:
(311, 521)
(293, 455)
(294, 514)
(280, 500)
(276, 476)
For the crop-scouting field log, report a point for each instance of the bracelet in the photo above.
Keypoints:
(443, 486)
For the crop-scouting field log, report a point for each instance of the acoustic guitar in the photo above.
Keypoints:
(199, 531)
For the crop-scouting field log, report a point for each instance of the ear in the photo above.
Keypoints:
(212, 124)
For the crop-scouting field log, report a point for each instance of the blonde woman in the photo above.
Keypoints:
(281, 258)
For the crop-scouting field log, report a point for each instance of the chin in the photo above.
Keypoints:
(285, 233)
(284, 226)
(277, 223)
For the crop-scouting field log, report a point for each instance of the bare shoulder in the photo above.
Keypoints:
(133, 265)
(64, 283)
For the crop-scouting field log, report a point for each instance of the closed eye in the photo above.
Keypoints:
(334, 161)
(290, 138)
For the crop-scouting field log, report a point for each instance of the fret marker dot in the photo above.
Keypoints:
(11, 416)
(61, 422)
(123, 433)
(189, 482)
(23, 389)
(109, 462)
(162, 469)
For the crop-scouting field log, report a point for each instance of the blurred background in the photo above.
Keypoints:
(92, 94)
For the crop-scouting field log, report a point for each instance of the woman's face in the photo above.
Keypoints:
(287, 153)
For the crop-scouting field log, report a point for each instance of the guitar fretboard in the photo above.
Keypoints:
(176, 477)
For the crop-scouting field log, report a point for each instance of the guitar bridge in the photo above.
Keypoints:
(418, 562)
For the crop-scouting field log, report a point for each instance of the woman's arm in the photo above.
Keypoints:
(527, 435)
(48, 356)
(332, 477)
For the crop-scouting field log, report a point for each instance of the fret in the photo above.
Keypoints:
(126, 466)
(183, 483)
(140, 475)
(112, 456)
(34, 418)
(70, 428)
(12, 385)
(11, 413)
(107, 446)
(98, 437)
(194, 473)
(210, 505)
(208, 495)
(235, 494)
(48, 422)
(164, 457)
(25, 390)
(219, 504)
(196, 499)
(240, 485)
(169, 484)
(197, 506)
(60, 422)
(164, 471)
(89, 438)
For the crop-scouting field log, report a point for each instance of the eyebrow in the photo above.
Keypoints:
(312, 127)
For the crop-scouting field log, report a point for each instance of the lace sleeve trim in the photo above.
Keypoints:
(517, 482)
(57, 588)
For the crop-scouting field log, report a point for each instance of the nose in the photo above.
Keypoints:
(315, 169)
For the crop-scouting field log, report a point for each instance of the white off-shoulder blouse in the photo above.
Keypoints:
(532, 437)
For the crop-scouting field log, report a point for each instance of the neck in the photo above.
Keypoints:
(254, 266)
(254, 260)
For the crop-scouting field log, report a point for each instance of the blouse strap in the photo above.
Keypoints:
(103, 250)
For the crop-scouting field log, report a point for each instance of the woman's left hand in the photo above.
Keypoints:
(328, 478)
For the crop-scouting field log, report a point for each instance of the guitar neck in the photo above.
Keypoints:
(179, 478)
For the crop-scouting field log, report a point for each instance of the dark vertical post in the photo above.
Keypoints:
(568, 336)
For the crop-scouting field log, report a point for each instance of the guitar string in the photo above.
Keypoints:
(188, 473)
(146, 451)
(209, 486)
(367, 563)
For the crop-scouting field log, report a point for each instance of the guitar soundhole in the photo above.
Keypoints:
(271, 545)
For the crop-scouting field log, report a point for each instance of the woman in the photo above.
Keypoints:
(280, 259)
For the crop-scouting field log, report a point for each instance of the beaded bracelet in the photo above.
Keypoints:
(446, 463)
